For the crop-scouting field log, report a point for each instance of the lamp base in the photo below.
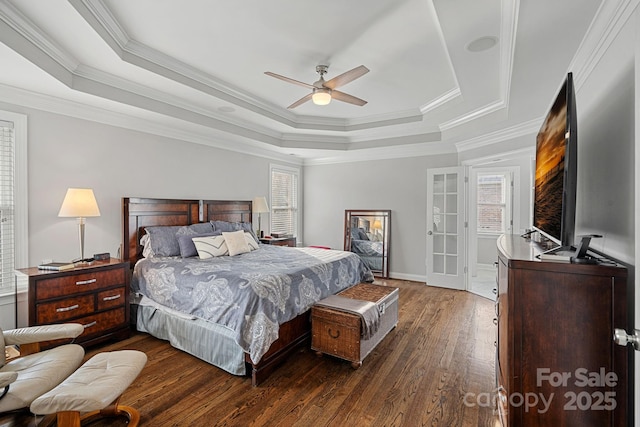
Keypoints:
(83, 261)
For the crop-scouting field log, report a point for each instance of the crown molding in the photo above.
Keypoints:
(385, 153)
(506, 155)
(475, 114)
(506, 134)
(161, 127)
(99, 17)
(508, 31)
(30, 32)
(441, 100)
(48, 56)
(610, 18)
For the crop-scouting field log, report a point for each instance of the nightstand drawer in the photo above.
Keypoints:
(56, 311)
(83, 282)
(98, 323)
(111, 298)
(95, 295)
(279, 241)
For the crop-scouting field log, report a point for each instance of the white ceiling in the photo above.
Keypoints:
(197, 66)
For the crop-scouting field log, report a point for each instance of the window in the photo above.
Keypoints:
(284, 200)
(7, 211)
(13, 201)
(492, 196)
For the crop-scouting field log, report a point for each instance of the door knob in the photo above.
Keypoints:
(621, 337)
(429, 232)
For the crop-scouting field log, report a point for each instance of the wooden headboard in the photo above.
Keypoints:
(138, 213)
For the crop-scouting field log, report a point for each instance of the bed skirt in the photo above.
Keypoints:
(205, 340)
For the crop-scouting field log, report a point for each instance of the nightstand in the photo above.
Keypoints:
(95, 295)
(280, 241)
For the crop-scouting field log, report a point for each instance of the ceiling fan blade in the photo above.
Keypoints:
(344, 97)
(287, 79)
(300, 101)
(347, 77)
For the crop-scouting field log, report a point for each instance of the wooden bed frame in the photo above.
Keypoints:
(138, 213)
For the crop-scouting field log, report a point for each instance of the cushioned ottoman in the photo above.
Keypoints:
(95, 389)
(339, 333)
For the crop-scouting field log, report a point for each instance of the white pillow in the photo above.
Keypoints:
(236, 242)
(147, 251)
(253, 245)
(210, 246)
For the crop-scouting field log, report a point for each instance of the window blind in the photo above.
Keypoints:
(491, 203)
(7, 208)
(284, 201)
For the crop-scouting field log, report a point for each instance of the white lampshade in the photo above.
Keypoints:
(321, 96)
(260, 205)
(79, 203)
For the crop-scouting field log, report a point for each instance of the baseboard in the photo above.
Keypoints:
(411, 277)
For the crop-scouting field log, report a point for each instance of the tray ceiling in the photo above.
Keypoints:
(441, 71)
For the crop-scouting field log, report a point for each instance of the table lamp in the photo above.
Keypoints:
(79, 203)
(260, 206)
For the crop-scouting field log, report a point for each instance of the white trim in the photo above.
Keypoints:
(21, 226)
(411, 277)
(530, 127)
(298, 172)
(611, 17)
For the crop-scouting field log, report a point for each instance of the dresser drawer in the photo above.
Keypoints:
(111, 298)
(56, 311)
(99, 323)
(82, 282)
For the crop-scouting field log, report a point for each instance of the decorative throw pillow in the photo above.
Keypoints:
(210, 246)
(236, 242)
(253, 245)
(187, 247)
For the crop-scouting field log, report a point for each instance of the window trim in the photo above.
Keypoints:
(298, 173)
(505, 205)
(21, 214)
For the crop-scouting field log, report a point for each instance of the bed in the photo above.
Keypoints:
(244, 313)
(371, 252)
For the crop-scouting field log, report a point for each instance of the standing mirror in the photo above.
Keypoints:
(367, 233)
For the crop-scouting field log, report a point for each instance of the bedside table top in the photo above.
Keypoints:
(35, 271)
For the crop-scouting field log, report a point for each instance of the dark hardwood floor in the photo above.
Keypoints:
(428, 371)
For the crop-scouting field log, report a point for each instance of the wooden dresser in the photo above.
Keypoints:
(96, 295)
(557, 363)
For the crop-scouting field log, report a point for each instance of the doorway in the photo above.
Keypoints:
(491, 213)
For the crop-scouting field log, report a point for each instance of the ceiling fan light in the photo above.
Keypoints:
(321, 96)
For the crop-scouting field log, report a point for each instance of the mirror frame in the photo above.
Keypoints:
(366, 219)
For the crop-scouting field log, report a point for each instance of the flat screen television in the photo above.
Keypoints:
(554, 211)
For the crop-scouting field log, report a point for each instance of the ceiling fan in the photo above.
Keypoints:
(324, 91)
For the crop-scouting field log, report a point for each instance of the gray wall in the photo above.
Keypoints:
(396, 184)
(67, 152)
(606, 114)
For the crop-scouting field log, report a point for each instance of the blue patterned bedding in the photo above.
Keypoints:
(253, 293)
(366, 247)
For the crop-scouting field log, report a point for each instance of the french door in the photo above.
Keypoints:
(446, 227)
